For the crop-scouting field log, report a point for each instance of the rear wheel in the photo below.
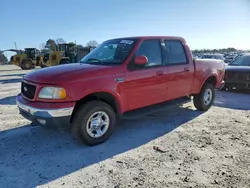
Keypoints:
(94, 122)
(26, 65)
(204, 100)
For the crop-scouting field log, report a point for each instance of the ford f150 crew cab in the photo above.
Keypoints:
(118, 76)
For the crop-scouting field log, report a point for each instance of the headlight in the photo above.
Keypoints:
(52, 93)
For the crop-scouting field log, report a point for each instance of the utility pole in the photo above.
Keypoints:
(15, 45)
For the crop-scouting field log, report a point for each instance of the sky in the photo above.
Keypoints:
(204, 24)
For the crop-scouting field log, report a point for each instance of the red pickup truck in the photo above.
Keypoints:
(118, 76)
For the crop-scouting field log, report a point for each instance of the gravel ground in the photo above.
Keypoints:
(176, 147)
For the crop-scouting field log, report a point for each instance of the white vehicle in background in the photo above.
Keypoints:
(230, 58)
(213, 56)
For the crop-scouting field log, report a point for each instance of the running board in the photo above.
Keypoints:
(134, 114)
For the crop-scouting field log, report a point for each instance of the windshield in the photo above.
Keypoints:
(110, 52)
(241, 61)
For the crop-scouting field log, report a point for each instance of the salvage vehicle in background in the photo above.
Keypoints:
(213, 56)
(117, 77)
(229, 58)
(237, 75)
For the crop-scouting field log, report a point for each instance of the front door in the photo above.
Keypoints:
(146, 85)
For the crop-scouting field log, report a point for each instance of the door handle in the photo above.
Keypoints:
(186, 69)
(159, 73)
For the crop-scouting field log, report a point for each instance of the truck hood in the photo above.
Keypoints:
(237, 68)
(64, 73)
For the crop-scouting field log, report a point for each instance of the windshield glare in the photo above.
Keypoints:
(110, 52)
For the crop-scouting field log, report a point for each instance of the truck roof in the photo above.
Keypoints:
(155, 37)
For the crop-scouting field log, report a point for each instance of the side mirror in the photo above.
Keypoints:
(141, 60)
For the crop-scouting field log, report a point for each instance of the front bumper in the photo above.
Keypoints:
(237, 85)
(50, 115)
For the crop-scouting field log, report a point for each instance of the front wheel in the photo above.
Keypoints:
(42, 65)
(204, 100)
(94, 122)
(26, 65)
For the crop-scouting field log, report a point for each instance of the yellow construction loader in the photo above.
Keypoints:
(27, 59)
(65, 53)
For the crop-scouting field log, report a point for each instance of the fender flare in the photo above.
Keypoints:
(114, 94)
(212, 75)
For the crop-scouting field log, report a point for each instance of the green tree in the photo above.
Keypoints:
(79, 46)
(60, 41)
(51, 44)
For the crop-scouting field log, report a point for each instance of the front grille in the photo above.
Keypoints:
(244, 76)
(237, 76)
(28, 90)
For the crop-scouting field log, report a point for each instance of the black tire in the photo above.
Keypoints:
(199, 101)
(80, 119)
(26, 65)
(42, 65)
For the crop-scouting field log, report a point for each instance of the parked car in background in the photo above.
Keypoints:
(238, 55)
(238, 73)
(119, 76)
(229, 58)
(213, 56)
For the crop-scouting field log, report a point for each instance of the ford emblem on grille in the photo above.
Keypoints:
(25, 89)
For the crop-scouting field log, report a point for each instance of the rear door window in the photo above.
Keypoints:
(175, 53)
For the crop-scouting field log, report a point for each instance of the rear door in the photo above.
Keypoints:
(180, 71)
(146, 85)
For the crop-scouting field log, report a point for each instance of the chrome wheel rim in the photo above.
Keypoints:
(208, 95)
(98, 124)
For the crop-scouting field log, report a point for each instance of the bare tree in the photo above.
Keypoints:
(42, 46)
(92, 43)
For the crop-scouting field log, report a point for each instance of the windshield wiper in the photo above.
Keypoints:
(94, 59)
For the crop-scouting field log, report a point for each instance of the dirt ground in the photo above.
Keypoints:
(176, 147)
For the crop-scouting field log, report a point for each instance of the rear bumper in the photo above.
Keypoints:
(50, 115)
